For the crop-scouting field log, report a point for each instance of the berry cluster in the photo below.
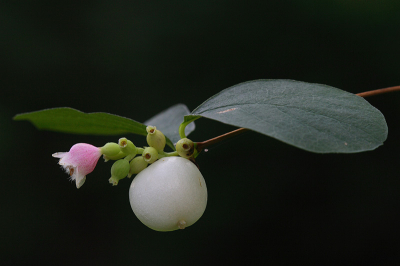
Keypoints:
(129, 159)
(169, 194)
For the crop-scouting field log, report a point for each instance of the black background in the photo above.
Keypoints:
(269, 203)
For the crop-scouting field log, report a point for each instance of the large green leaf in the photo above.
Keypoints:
(70, 120)
(312, 117)
(169, 120)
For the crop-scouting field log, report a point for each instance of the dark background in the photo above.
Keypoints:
(269, 203)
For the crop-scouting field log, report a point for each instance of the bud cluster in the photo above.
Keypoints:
(129, 159)
(127, 162)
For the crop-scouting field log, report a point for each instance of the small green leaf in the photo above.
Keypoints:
(313, 117)
(190, 118)
(169, 120)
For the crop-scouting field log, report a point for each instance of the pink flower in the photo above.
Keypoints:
(79, 161)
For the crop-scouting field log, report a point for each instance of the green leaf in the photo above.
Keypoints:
(313, 117)
(169, 120)
(190, 118)
(70, 120)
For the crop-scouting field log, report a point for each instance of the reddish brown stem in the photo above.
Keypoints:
(202, 145)
(379, 91)
(205, 144)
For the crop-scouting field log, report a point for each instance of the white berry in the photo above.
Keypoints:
(168, 195)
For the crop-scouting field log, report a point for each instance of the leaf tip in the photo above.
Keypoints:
(18, 117)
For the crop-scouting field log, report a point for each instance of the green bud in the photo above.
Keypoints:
(155, 138)
(127, 146)
(110, 149)
(119, 170)
(150, 155)
(137, 165)
(120, 155)
(185, 148)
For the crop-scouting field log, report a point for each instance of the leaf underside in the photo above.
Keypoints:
(313, 117)
(169, 120)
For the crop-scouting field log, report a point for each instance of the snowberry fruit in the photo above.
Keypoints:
(168, 195)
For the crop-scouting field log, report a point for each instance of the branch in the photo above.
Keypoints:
(379, 91)
(202, 145)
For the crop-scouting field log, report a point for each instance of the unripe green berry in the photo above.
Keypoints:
(168, 195)
(110, 149)
(137, 165)
(119, 170)
(185, 148)
(150, 155)
(155, 138)
(127, 146)
(119, 155)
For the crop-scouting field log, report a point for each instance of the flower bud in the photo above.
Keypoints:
(127, 146)
(155, 138)
(137, 165)
(185, 148)
(119, 155)
(150, 155)
(119, 170)
(79, 161)
(110, 149)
